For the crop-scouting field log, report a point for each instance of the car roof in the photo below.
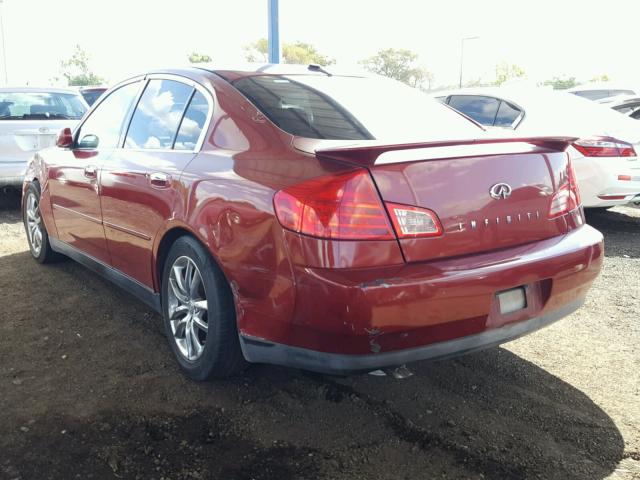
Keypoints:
(30, 89)
(88, 88)
(238, 70)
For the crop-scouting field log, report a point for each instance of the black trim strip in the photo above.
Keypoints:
(125, 282)
(262, 351)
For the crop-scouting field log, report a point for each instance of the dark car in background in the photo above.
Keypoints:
(91, 94)
(277, 214)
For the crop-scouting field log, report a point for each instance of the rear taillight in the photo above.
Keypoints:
(344, 206)
(413, 222)
(604, 147)
(567, 198)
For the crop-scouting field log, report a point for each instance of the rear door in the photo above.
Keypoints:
(140, 182)
(74, 173)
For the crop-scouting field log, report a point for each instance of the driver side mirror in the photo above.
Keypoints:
(65, 138)
(89, 141)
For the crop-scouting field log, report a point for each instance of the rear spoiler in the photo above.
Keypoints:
(370, 155)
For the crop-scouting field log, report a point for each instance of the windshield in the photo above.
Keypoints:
(353, 108)
(40, 106)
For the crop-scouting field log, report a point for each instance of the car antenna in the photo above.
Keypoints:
(317, 68)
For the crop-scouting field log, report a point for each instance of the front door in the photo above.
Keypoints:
(74, 174)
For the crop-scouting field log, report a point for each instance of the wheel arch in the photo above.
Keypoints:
(164, 243)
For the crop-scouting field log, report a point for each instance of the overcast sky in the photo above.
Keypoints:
(545, 37)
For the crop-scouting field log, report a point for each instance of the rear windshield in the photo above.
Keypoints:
(352, 108)
(40, 106)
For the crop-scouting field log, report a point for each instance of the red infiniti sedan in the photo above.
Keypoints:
(332, 222)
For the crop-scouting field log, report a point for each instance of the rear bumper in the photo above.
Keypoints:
(12, 173)
(259, 351)
(348, 320)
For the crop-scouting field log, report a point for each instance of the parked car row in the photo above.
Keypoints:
(30, 119)
(303, 217)
(604, 153)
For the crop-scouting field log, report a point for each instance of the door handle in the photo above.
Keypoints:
(90, 171)
(159, 179)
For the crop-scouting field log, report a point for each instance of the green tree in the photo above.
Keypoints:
(399, 64)
(77, 71)
(559, 83)
(296, 52)
(196, 57)
(600, 78)
(505, 71)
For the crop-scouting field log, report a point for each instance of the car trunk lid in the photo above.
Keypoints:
(487, 194)
(20, 138)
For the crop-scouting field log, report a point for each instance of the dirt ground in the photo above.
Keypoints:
(88, 389)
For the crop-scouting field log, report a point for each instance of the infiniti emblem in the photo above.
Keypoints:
(500, 190)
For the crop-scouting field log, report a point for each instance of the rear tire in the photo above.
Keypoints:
(37, 235)
(199, 313)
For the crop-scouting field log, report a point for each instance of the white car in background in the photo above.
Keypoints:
(626, 104)
(604, 156)
(30, 120)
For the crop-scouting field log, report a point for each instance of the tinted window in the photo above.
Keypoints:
(636, 114)
(300, 109)
(105, 122)
(192, 123)
(593, 94)
(40, 106)
(349, 107)
(482, 109)
(507, 114)
(157, 116)
(613, 93)
(90, 96)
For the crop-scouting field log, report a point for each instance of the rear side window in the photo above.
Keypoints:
(40, 106)
(157, 116)
(102, 129)
(482, 109)
(507, 115)
(192, 123)
(301, 110)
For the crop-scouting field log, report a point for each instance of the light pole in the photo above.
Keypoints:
(462, 54)
(274, 32)
(4, 51)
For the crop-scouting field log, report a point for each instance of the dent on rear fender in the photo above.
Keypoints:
(246, 240)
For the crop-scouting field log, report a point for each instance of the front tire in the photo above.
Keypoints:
(199, 313)
(37, 235)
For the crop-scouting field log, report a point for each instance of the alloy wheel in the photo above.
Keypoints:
(188, 308)
(34, 224)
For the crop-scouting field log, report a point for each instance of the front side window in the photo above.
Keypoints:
(102, 129)
(192, 123)
(482, 109)
(155, 122)
(40, 106)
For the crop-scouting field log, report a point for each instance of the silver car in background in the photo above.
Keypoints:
(30, 119)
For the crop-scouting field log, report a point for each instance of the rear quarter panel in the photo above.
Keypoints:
(228, 205)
